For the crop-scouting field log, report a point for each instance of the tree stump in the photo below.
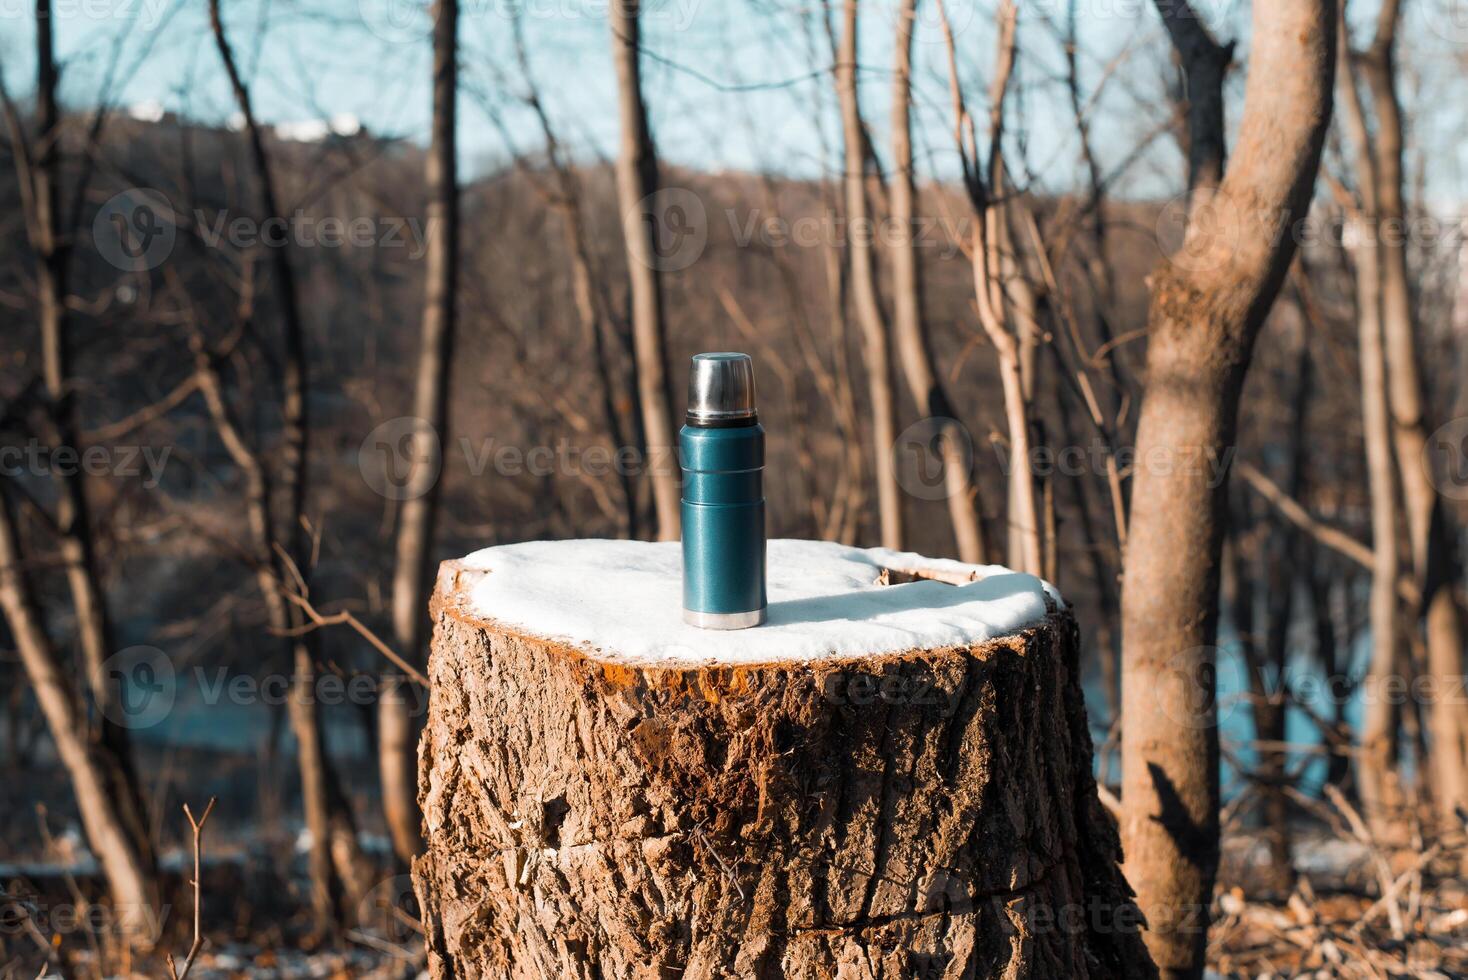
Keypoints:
(891, 779)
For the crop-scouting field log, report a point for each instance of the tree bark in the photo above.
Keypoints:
(39, 171)
(93, 768)
(337, 859)
(1430, 530)
(863, 285)
(1283, 556)
(617, 390)
(909, 327)
(1319, 579)
(993, 279)
(1206, 309)
(1379, 743)
(592, 819)
(396, 730)
(637, 182)
(1381, 716)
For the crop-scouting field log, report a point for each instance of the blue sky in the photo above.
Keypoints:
(729, 82)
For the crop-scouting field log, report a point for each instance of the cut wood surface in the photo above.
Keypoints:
(909, 813)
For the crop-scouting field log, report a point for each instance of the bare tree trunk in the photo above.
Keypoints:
(1379, 726)
(334, 844)
(1206, 309)
(848, 498)
(93, 768)
(1282, 556)
(991, 268)
(39, 173)
(1431, 536)
(1238, 577)
(908, 325)
(396, 729)
(594, 322)
(1103, 572)
(637, 183)
(1028, 540)
(591, 301)
(1322, 616)
(863, 283)
(269, 574)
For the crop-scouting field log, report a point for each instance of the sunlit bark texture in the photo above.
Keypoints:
(637, 185)
(1208, 303)
(909, 328)
(1430, 528)
(863, 282)
(337, 864)
(1375, 766)
(396, 730)
(91, 766)
(95, 749)
(592, 819)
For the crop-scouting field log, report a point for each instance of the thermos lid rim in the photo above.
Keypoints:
(721, 387)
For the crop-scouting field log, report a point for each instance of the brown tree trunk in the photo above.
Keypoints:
(1320, 580)
(1376, 763)
(1016, 302)
(1207, 306)
(328, 897)
(1379, 744)
(337, 859)
(396, 728)
(863, 286)
(1265, 709)
(908, 325)
(598, 819)
(993, 280)
(1430, 530)
(637, 182)
(1282, 555)
(92, 767)
(617, 390)
(39, 171)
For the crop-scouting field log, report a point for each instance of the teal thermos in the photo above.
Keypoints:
(722, 451)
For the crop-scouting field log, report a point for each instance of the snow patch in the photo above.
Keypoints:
(623, 600)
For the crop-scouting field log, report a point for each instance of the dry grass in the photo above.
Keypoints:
(1369, 910)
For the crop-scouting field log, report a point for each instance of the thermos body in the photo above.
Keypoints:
(722, 452)
(723, 525)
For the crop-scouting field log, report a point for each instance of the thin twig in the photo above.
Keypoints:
(1363, 833)
(344, 618)
(198, 943)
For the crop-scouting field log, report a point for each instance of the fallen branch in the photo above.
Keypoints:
(1383, 873)
(1389, 894)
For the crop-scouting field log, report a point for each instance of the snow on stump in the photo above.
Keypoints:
(890, 780)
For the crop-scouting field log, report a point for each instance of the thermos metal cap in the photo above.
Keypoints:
(720, 388)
